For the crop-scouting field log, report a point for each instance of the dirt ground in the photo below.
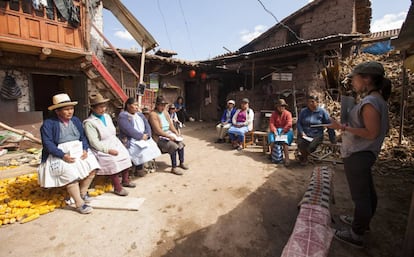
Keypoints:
(228, 204)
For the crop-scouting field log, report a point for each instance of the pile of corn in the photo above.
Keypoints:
(23, 200)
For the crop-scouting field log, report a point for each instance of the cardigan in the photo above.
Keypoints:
(127, 130)
(50, 133)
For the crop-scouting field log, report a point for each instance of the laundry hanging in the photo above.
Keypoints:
(68, 11)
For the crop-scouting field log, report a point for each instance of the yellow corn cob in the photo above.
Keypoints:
(30, 218)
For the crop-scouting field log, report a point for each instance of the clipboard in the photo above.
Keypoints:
(320, 125)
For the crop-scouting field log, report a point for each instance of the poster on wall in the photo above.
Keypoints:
(154, 81)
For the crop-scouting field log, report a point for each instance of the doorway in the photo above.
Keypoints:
(193, 99)
(46, 86)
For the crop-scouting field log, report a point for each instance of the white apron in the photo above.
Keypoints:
(142, 151)
(55, 172)
(110, 164)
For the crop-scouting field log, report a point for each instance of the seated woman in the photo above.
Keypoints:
(167, 137)
(281, 124)
(242, 122)
(135, 132)
(111, 154)
(172, 111)
(225, 121)
(66, 158)
(310, 128)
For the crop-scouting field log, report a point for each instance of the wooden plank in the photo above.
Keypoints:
(113, 202)
(21, 170)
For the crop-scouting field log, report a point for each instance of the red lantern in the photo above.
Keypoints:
(192, 73)
(203, 76)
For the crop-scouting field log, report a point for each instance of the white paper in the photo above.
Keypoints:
(307, 138)
(176, 138)
(281, 138)
(76, 150)
(142, 143)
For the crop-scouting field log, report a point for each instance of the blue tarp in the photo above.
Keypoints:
(378, 48)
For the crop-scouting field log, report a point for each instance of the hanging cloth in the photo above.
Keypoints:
(68, 11)
(10, 90)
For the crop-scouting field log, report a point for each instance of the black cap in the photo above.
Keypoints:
(372, 68)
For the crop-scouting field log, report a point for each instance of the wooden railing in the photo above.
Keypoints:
(22, 24)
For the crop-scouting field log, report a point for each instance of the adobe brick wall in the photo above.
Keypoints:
(330, 17)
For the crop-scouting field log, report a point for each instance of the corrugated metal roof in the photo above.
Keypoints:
(132, 53)
(131, 24)
(305, 43)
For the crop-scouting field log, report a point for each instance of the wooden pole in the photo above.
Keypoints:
(116, 51)
(402, 103)
(141, 72)
(21, 132)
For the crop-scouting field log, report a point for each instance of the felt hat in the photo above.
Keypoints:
(145, 110)
(160, 100)
(372, 68)
(281, 102)
(96, 99)
(61, 100)
(245, 100)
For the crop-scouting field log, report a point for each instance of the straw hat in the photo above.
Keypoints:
(61, 100)
(96, 99)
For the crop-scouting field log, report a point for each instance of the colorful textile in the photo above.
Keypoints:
(311, 235)
(319, 191)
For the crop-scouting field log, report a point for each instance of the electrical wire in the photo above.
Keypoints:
(281, 23)
(165, 24)
(186, 27)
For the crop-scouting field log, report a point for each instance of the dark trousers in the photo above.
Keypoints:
(173, 157)
(358, 173)
(182, 116)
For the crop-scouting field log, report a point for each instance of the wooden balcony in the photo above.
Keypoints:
(42, 31)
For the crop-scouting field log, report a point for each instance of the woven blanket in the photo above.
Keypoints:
(312, 235)
(320, 189)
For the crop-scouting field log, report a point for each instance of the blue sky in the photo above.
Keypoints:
(200, 30)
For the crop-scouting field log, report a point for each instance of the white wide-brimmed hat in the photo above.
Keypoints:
(61, 100)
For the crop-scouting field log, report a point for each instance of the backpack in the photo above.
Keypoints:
(277, 153)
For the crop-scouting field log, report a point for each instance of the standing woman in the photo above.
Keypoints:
(66, 158)
(135, 132)
(111, 154)
(362, 139)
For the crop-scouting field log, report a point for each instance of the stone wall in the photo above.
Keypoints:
(23, 103)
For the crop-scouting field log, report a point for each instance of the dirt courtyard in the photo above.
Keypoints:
(228, 203)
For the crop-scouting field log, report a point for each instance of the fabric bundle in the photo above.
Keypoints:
(10, 90)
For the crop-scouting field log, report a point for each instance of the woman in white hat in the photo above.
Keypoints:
(66, 158)
(226, 121)
(111, 154)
